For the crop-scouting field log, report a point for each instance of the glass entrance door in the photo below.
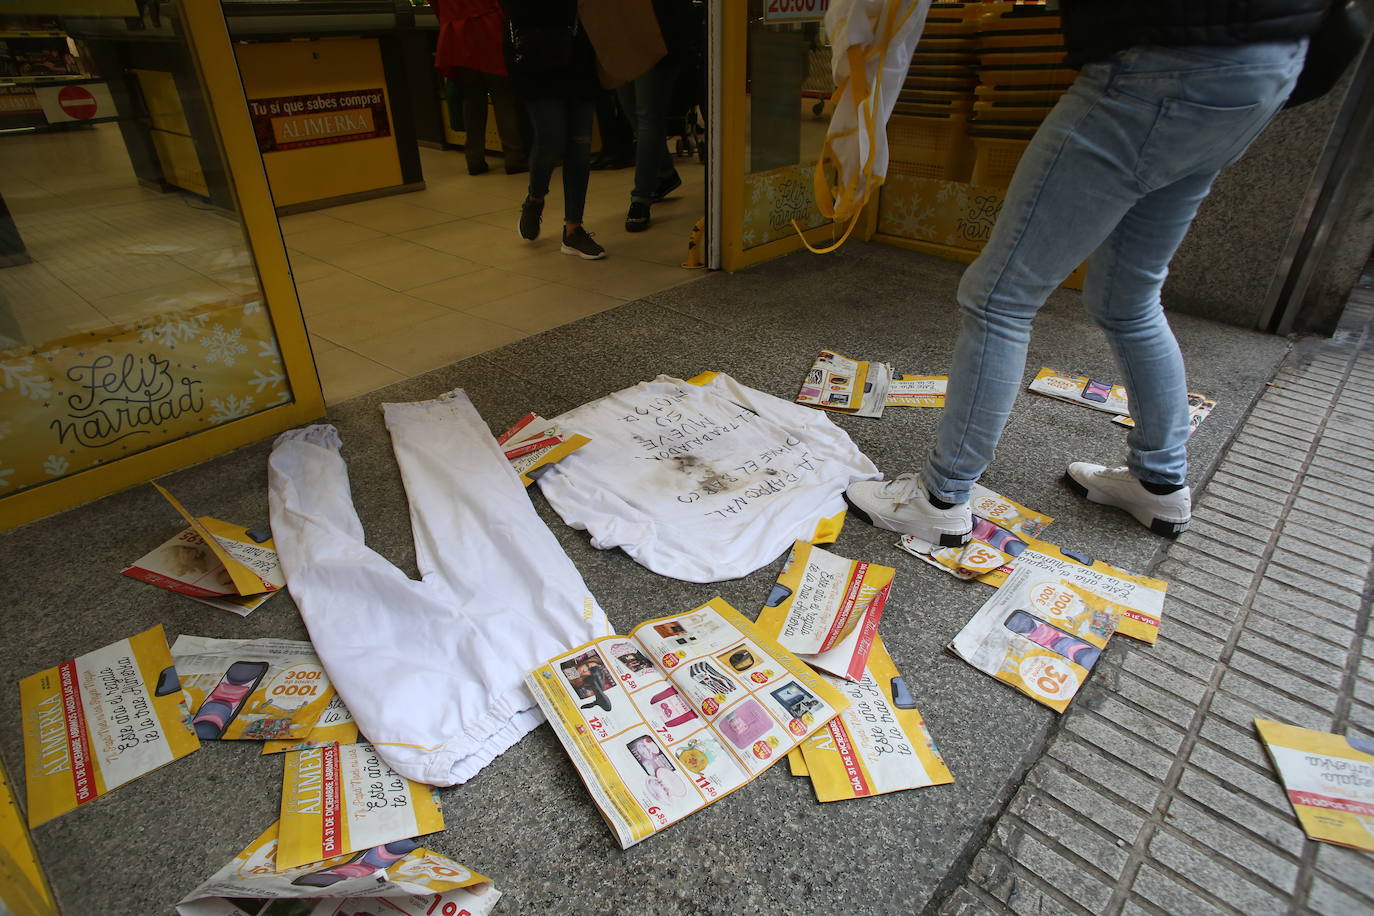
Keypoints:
(147, 315)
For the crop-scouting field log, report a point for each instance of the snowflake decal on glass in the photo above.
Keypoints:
(222, 346)
(56, 466)
(170, 330)
(261, 381)
(20, 376)
(230, 408)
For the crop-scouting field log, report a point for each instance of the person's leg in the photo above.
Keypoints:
(474, 86)
(508, 123)
(654, 168)
(547, 133)
(576, 173)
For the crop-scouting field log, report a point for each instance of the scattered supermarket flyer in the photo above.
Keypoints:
(679, 714)
(413, 881)
(1329, 780)
(334, 726)
(1040, 634)
(879, 744)
(845, 385)
(917, 390)
(1079, 389)
(826, 609)
(1199, 406)
(1001, 530)
(252, 689)
(225, 566)
(93, 723)
(339, 799)
(534, 443)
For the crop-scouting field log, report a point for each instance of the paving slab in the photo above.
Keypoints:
(526, 820)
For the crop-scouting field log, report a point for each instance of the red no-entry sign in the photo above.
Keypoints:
(77, 102)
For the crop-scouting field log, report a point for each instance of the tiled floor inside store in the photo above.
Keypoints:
(390, 288)
(526, 820)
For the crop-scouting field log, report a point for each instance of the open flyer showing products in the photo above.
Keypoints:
(339, 799)
(1079, 389)
(879, 744)
(1199, 406)
(1002, 529)
(252, 689)
(1039, 633)
(412, 881)
(1329, 780)
(917, 390)
(534, 443)
(850, 386)
(679, 714)
(826, 609)
(217, 563)
(95, 722)
(334, 726)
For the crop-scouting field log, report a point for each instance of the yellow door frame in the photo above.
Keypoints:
(734, 111)
(208, 37)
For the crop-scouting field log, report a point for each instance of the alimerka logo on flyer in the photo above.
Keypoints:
(53, 756)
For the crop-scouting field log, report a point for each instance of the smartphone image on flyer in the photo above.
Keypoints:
(678, 714)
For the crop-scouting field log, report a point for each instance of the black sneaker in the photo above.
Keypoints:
(667, 186)
(637, 220)
(581, 243)
(531, 215)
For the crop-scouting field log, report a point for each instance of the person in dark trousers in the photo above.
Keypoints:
(646, 101)
(617, 136)
(1170, 93)
(553, 68)
(469, 53)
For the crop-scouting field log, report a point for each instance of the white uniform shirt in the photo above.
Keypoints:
(703, 480)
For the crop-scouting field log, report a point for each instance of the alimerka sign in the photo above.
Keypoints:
(295, 121)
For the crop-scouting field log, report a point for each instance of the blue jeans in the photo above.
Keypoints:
(562, 128)
(1114, 176)
(645, 101)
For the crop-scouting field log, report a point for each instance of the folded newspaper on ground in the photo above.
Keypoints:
(95, 722)
(217, 563)
(826, 609)
(1141, 597)
(252, 689)
(339, 799)
(1080, 389)
(879, 744)
(412, 881)
(1039, 633)
(680, 713)
(917, 390)
(846, 385)
(1329, 780)
(1199, 406)
(534, 443)
(334, 726)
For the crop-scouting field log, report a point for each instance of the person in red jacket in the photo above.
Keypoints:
(470, 54)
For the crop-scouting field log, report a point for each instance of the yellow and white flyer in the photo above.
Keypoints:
(1329, 780)
(917, 390)
(226, 566)
(334, 726)
(252, 689)
(534, 443)
(879, 744)
(413, 881)
(1199, 406)
(1080, 389)
(1002, 529)
(680, 713)
(339, 799)
(95, 722)
(826, 609)
(1039, 633)
(850, 386)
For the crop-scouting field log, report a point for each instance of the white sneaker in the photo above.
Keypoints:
(902, 505)
(1167, 515)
